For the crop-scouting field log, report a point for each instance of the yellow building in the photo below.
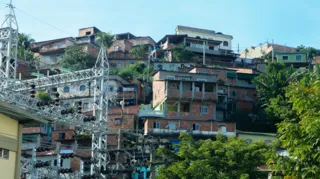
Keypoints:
(249, 137)
(11, 121)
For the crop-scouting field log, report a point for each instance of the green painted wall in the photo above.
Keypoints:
(258, 137)
(291, 57)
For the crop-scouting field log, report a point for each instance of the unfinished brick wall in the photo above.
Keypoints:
(196, 113)
(68, 133)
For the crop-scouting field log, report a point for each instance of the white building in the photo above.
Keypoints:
(71, 94)
(206, 34)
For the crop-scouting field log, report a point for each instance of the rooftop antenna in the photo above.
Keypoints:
(9, 47)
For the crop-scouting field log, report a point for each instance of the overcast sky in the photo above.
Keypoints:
(250, 22)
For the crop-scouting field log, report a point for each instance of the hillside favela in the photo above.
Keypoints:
(159, 90)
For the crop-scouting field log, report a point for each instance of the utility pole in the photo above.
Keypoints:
(33, 163)
(58, 159)
(272, 51)
(152, 167)
(204, 53)
(238, 49)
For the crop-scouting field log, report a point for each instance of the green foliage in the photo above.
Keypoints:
(180, 54)
(138, 52)
(23, 47)
(43, 96)
(225, 158)
(312, 52)
(105, 39)
(76, 59)
(133, 71)
(299, 133)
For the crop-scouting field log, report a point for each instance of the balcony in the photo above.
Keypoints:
(150, 113)
(192, 132)
(173, 94)
(191, 95)
(209, 96)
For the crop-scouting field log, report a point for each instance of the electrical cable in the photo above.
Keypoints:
(42, 21)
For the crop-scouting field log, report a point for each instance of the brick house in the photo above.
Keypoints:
(119, 52)
(235, 89)
(184, 102)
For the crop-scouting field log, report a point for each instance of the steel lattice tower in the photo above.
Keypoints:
(8, 47)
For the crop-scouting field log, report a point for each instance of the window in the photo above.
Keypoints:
(196, 127)
(4, 153)
(222, 128)
(172, 125)
(156, 125)
(85, 105)
(204, 110)
(225, 44)
(88, 33)
(82, 87)
(284, 57)
(248, 141)
(61, 135)
(66, 89)
(59, 45)
(211, 48)
(117, 121)
(298, 57)
(116, 48)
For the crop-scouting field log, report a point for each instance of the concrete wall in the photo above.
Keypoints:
(11, 131)
(255, 52)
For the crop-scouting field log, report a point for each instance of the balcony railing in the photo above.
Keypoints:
(150, 113)
(194, 95)
(193, 132)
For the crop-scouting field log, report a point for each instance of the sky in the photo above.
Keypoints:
(250, 22)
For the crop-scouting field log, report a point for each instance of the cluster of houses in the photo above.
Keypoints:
(210, 93)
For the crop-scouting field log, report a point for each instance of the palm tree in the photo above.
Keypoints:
(23, 45)
(105, 39)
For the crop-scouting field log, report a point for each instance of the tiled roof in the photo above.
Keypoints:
(31, 130)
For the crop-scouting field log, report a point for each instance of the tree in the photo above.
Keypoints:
(181, 54)
(76, 59)
(312, 52)
(300, 134)
(138, 52)
(43, 96)
(105, 39)
(225, 158)
(133, 71)
(23, 46)
(271, 86)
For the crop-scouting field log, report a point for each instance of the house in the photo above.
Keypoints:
(121, 89)
(184, 102)
(264, 50)
(206, 34)
(235, 90)
(51, 52)
(12, 120)
(119, 52)
(294, 59)
(33, 137)
(206, 51)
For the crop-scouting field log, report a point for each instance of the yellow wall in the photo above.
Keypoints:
(9, 128)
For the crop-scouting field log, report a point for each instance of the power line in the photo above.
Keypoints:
(42, 21)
